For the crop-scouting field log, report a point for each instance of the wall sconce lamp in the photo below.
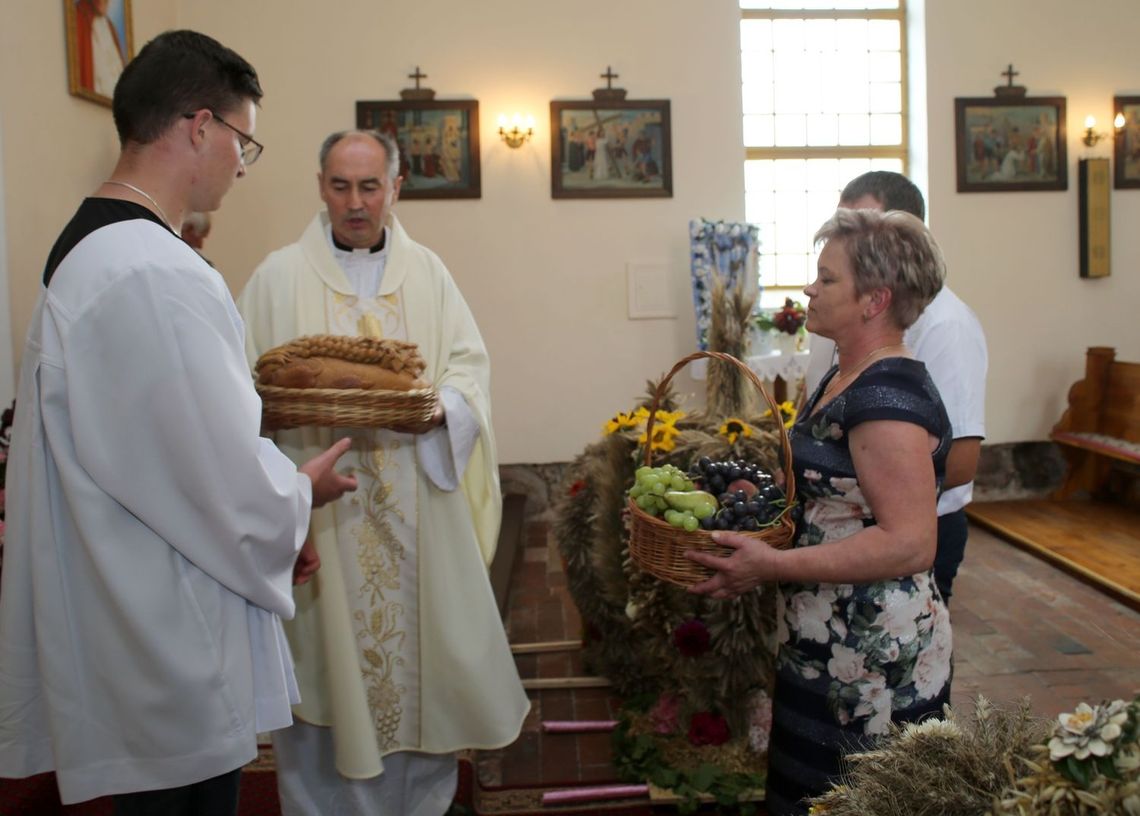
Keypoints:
(516, 135)
(1091, 137)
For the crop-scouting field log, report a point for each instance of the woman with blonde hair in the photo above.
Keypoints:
(864, 637)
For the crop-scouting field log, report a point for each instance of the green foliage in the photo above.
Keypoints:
(638, 758)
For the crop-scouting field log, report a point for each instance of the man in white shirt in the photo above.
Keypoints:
(153, 534)
(949, 340)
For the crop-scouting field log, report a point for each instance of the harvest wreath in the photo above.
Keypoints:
(702, 669)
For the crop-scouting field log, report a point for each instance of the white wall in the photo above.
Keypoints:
(546, 279)
(56, 148)
(7, 383)
(1014, 256)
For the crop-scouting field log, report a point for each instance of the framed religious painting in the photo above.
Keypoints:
(611, 149)
(1011, 144)
(100, 42)
(439, 144)
(1127, 143)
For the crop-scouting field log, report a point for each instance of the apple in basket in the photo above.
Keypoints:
(748, 497)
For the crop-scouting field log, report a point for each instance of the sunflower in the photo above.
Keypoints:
(787, 413)
(668, 417)
(619, 422)
(664, 436)
(734, 428)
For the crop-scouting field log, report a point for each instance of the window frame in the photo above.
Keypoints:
(900, 152)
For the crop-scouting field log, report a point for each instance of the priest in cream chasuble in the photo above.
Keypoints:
(399, 648)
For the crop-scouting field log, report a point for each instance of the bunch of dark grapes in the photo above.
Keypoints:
(749, 498)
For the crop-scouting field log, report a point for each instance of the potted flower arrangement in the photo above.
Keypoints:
(779, 329)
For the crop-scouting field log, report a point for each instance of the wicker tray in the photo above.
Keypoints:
(658, 547)
(283, 408)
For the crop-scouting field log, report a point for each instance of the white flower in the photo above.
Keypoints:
(844, 484)
(900, 614)
(808, 615)
(1128, 757)
(846, 664)
(759, 722)
(932, 668)
(812, 475)
(931, 671)
(875, 703)
(1088, 731)
(631, 610)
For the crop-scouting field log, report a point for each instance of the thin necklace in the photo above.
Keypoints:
(857, 368)
(165, 220)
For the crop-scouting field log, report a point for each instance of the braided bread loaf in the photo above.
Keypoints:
(335, 361)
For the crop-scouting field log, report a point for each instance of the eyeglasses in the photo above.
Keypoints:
(250, 147)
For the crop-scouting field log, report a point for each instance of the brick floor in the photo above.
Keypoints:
(1021, 627)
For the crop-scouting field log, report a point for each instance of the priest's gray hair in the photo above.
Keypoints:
(391, 149)
(892, 250)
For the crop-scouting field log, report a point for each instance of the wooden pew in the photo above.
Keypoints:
(1099, 433)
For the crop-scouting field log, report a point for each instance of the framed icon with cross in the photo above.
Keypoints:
(439, 143)
(1127, 142)
(1011, 142)
(611, 148)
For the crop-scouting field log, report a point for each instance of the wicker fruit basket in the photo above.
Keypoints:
(283, 408)
(658, 547)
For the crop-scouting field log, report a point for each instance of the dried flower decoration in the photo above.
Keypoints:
(692, 638)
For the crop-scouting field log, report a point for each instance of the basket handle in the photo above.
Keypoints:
(785, 443)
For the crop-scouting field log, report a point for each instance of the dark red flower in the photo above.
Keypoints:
(590, 634)
(577, 487)
(706, 728)
(692, 638)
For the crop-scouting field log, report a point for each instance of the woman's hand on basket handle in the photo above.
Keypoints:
(328, 485)
(753, 563)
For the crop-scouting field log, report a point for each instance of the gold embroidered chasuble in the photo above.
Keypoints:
(397, 639)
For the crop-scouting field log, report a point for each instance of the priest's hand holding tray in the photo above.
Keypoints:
(347, 382)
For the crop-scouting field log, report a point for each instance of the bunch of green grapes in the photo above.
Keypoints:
(651, 485)
(682, 519)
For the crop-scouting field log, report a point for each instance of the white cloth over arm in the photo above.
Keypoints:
(443, 452)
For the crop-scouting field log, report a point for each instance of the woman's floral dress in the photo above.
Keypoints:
(852, 658)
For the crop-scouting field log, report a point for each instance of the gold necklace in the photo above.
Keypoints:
(857, 368)
(161, 214)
